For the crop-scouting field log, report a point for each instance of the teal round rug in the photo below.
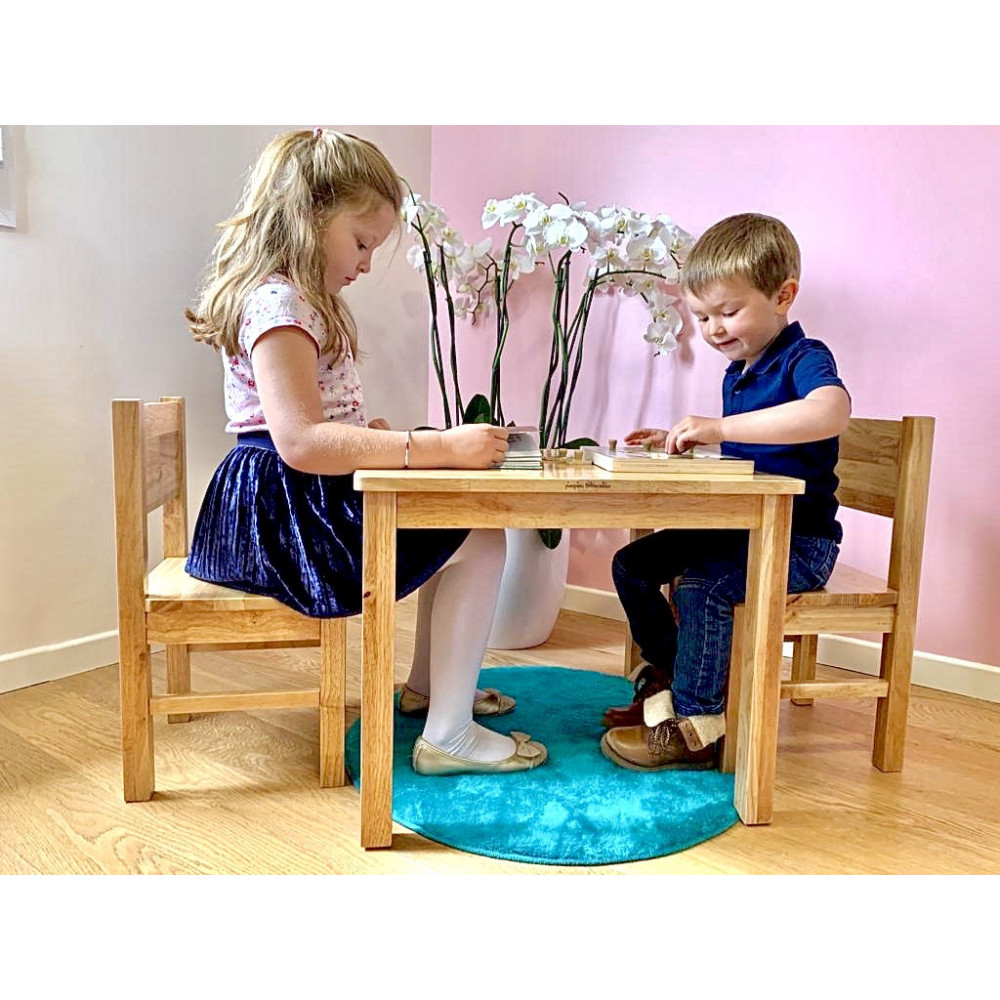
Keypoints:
(576, 809)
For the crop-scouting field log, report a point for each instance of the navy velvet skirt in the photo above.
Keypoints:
(267, 529)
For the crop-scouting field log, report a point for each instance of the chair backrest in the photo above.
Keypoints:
(150, 471)
(884, 468)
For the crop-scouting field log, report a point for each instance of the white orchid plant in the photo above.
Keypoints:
(631, 253)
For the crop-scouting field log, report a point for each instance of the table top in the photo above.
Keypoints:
(569, 479)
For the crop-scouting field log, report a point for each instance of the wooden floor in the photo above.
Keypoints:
(238, 792)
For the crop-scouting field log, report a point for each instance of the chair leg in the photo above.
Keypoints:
(804, 663)
(332, 698)
(728, 762)
(632, 653)
(178, 677)
(890, 716)
(135, 681)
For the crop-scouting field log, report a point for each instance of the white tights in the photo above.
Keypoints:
(454, 615)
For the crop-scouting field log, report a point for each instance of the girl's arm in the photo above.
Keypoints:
(823, 414)
(284, 366)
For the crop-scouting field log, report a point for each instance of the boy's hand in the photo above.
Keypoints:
(690, 431)
(379, 424)
(651, 436)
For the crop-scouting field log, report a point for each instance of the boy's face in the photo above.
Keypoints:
(739, 320)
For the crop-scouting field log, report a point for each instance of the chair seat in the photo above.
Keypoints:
(847, 588)
(168, 583)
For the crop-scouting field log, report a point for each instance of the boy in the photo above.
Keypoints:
(784, 407)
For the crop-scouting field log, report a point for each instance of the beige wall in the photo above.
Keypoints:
(114, 227)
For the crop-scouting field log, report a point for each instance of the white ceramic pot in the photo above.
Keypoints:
(531, 591)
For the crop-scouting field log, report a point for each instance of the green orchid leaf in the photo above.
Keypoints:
(478, 411)
(580, 443)
(550, 537)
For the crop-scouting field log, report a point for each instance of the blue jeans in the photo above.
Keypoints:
(694, 656)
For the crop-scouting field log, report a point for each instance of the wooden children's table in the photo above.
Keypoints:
(575, 497)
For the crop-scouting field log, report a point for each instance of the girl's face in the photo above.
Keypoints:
(350, 239)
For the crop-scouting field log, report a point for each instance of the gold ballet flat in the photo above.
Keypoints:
(492, 703)
(427, 759)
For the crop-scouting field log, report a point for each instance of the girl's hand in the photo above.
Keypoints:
(379, 424)
(473, 446)
(652, 436)
(690, 431)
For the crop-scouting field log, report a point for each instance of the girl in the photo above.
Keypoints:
(280, 516)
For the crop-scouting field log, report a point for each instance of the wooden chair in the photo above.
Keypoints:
(166, 605)
(884, 469)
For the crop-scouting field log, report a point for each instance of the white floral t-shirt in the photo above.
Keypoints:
(277, 302)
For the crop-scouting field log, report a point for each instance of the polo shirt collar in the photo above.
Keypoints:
(772, 354)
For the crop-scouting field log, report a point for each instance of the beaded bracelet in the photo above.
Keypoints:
(406, 453)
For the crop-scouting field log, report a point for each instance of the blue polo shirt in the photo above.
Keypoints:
(789, 369)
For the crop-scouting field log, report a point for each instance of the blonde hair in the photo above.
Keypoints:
(757, 248)
(299, 182)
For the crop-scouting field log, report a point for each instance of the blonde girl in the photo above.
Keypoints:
(280, 516)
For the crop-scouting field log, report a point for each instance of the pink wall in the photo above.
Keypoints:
(898, 229)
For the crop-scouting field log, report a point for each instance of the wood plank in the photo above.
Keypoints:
(233, 701)
(162, 485)
(869, 466)
(161, 419)
(175, 522)
(576, 509)
(872, 441)
(734, 691)
(815, 621)
(131, 559)
(833, 689)
(869, 477)
(178, 676)
(180, 622)
(220, 647)
(555, 479)
(757, 740)
(378, 600)
(804, 649)
(168, 582)
(905, 561)
(866, 500)
(332, 697)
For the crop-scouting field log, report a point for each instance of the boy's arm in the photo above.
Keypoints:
(823, 413)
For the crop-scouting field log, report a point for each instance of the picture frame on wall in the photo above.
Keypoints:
(8, 189)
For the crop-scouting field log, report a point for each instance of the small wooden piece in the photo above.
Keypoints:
(689, 464)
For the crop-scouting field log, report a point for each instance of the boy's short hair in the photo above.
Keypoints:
(757, 248)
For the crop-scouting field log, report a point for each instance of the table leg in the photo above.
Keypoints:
(378, 624)
(757, 739)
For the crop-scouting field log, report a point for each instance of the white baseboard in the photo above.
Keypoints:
(943, 673)
(589, 601)
(47, 663)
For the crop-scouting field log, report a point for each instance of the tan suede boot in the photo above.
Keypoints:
(674, 744)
